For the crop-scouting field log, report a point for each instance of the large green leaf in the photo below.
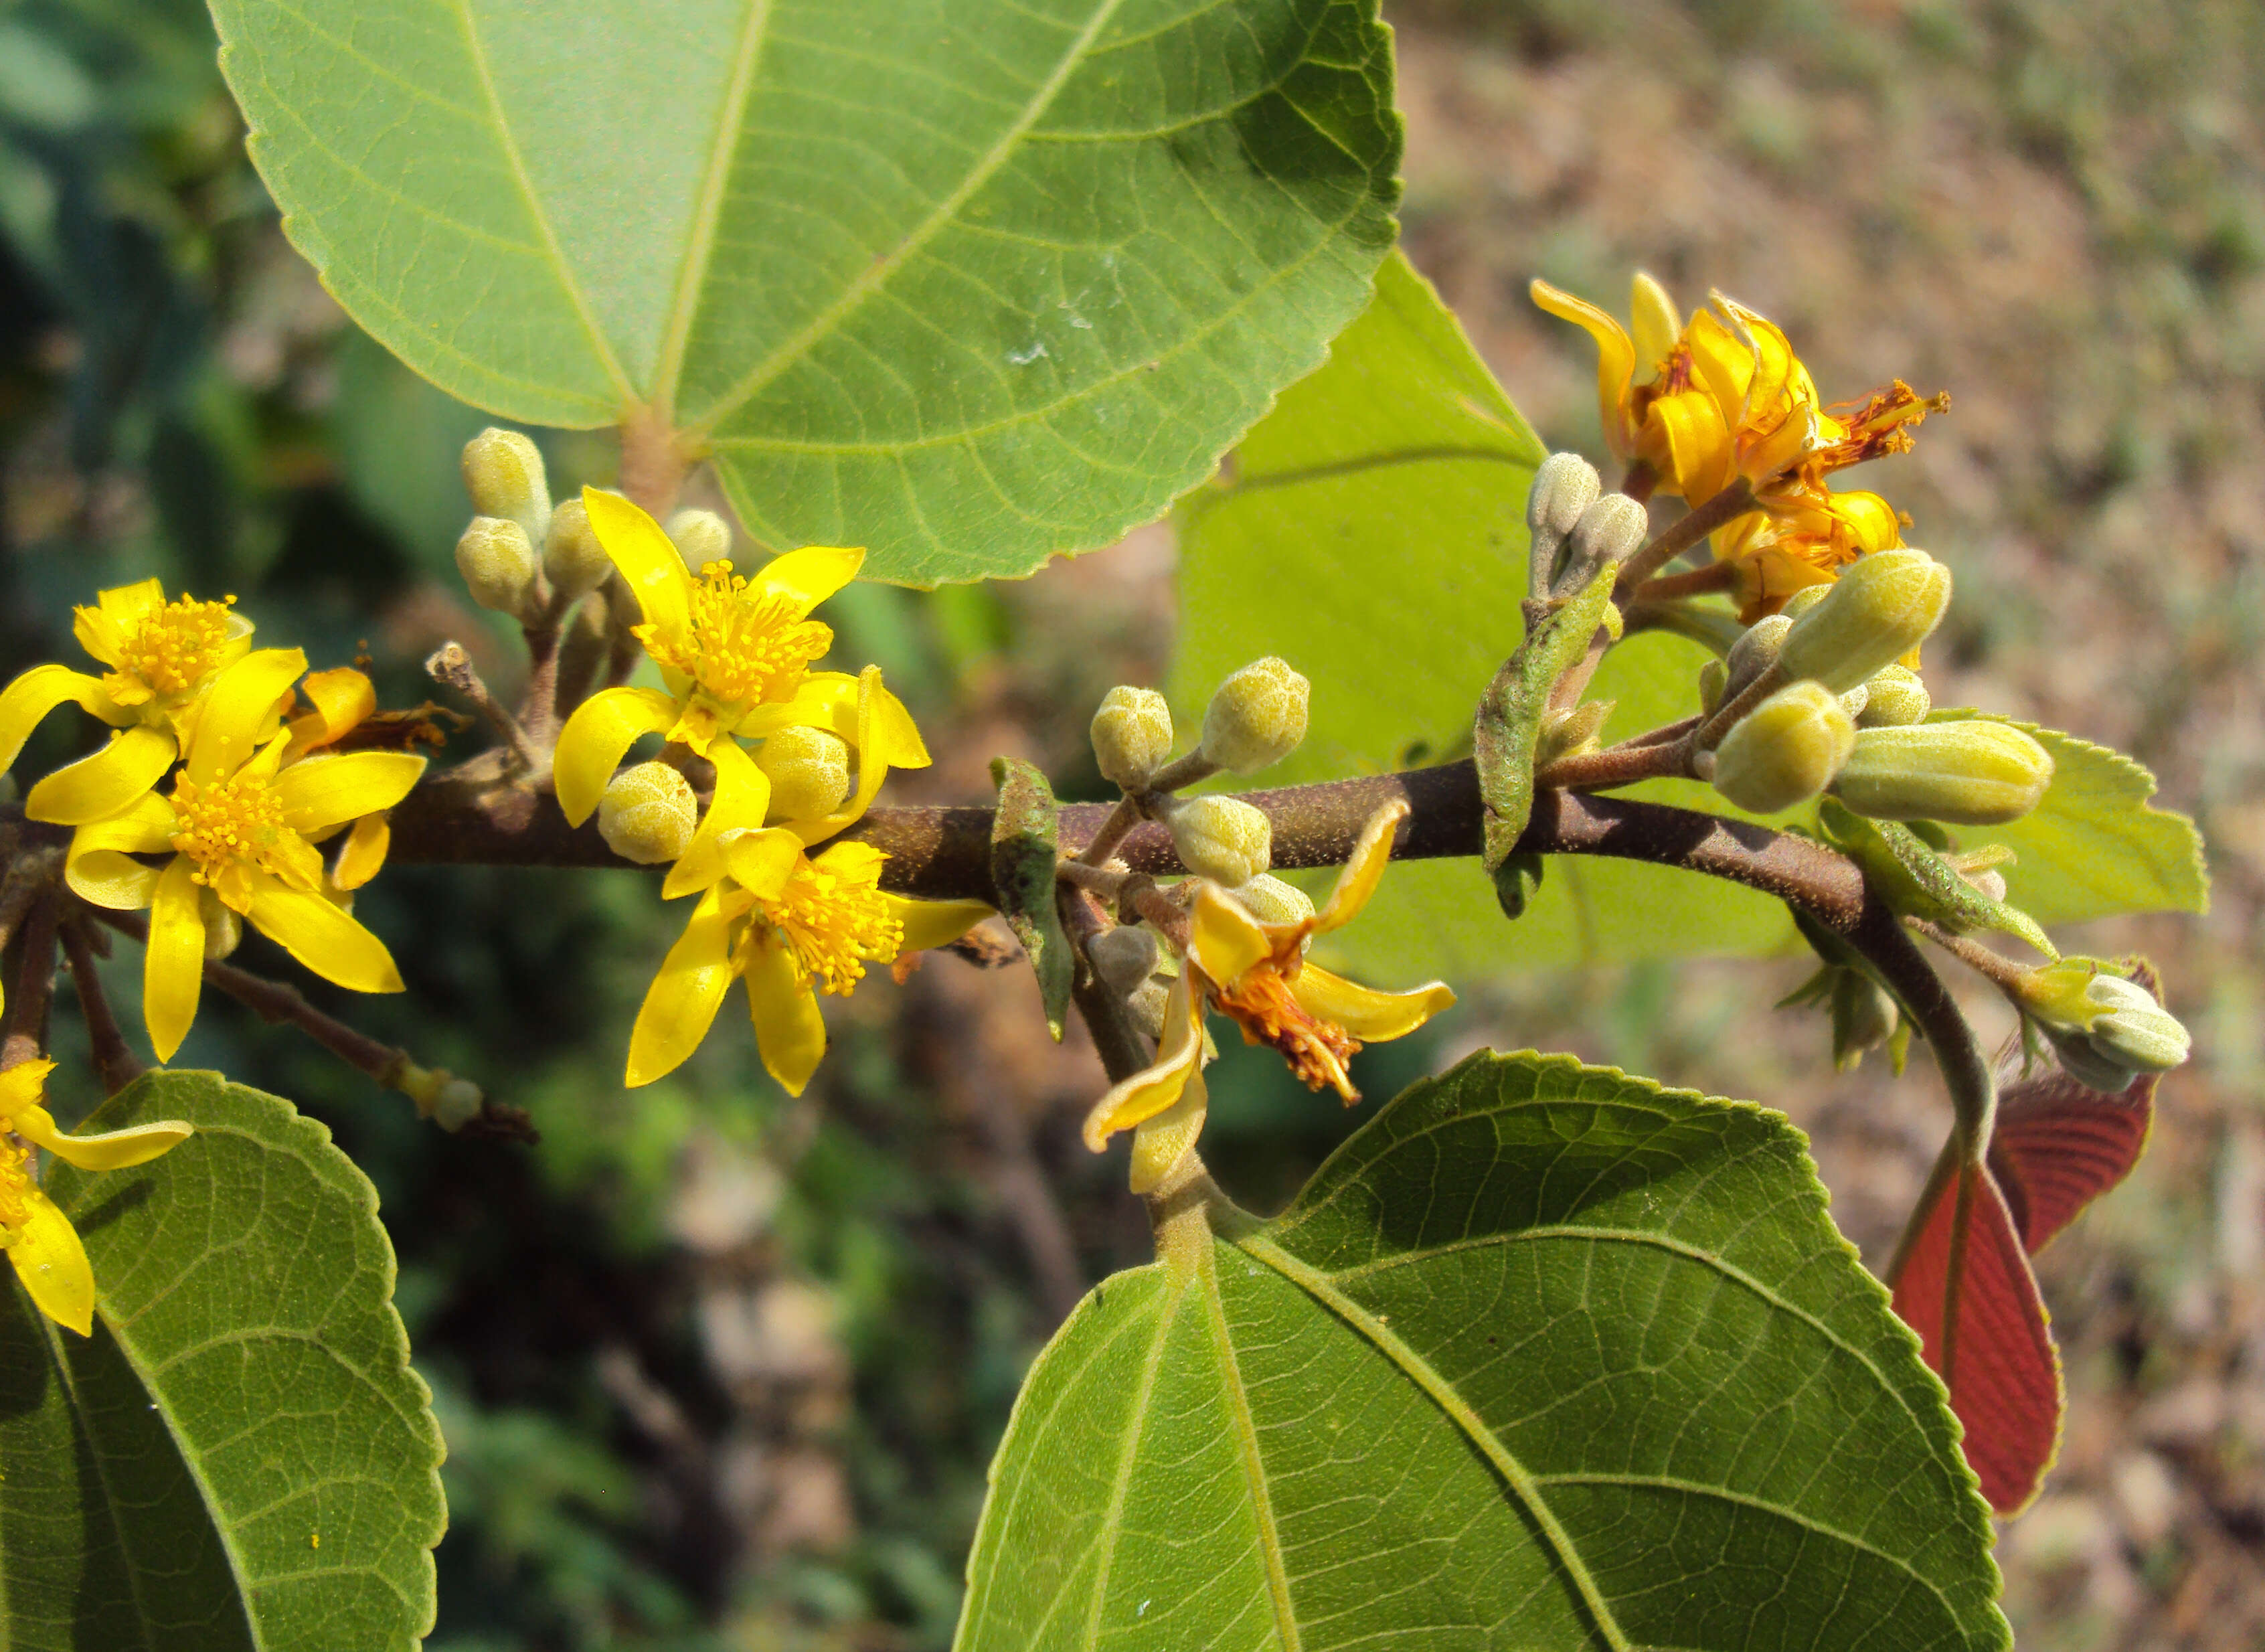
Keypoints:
(968, 281)
(240, 1456)
(1544, 1356)
(1372, 530)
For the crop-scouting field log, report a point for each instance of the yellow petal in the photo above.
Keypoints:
(934, 923)
(789, 1030)
(107, 1150)
(173, 960)
(591, 745)
(28, 700)
(96, 787)
(1700, 459)
(895, 733)
(52, 1264)
(341, 700)
(681, 1004)
(327, 791)
(101, 629)
(321, 936)
(878, 738)
(1223, 938)
(1364, 869)
(761, 861)
(1153, 1089)
(1161, 1142)
(823, 699)
(1872, 521)
(105, 877)
(1369, 1016)
(21, 1085)
(96, 865)
(741, 799)
(648, 559)
(240, 710)
(1615, 354)
(808, 576)
(364, 854)
(1652, 319)
(1723, 362)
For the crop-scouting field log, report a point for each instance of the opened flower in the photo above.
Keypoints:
(1803, 538)
(734, 651)
(39, 1238)
(241, 819)
(162, 656)
(1256, 974)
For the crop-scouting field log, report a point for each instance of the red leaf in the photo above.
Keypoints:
(2002, 1373)
(2060, 1144)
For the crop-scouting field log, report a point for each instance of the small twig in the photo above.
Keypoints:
(1708, 734)
(1122, 820)
(33, 990)
(1103, 880)
(1616, 765)
(1566, 692)
(1679, 535)
(451, 666)
(1666, 734)
(115, 1064)
(1179, 773)
(1122, 1049)
(1640, 482)
(1715, 576)
(538, 705)
(1981, 959)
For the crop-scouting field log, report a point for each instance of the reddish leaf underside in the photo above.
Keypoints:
(2059, 1146)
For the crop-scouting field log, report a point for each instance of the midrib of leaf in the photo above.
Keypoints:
(700, 246)
(1254, 1464)
(1353, 467)
(871, 279)
(543, 228)
(1436, 1388)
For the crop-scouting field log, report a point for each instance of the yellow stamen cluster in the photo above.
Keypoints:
(171, 650)
(233, 822)
(831, 923)
(741, 646)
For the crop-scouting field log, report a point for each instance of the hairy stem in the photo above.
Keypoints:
(32, 991)
(115, 1064)
(1680, 536)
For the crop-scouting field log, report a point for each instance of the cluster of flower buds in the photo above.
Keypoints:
(2106, 1028)
(521, 555)
(1820, 698)
(1575, 528)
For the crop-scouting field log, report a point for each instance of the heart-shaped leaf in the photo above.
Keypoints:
(1543, 1356)
(968, 282)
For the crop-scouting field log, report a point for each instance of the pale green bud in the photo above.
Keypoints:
(1565, 485)
(2109, 1032)
(1610, 530)
(503, 472)
(572, 555)
(1712, 678)
(1785, 751)
(1962, 774)
(1897, 699)
(457, 1104)
(1223, 839)
(1755, 651)
(497, 559)
(1256, 719)
(1145, 1004)
(809, 772)
(1855, 701)
(1271, 900)
(1803, 600)
(700, 537)
(648, 814)
(1124, 957)
(1880, 608)
(1132, 736)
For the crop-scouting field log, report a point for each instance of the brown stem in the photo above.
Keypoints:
(1566, 692)
(1982, 960)
(1640, 482)
(1616, 765)
(1123, 1050)
(32, 991)
(538, 707)
(1679, 535)
(450, 665)
(1715, 576)
(115, 1064)
(1123, 817)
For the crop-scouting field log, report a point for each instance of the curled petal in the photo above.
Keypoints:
(364, 854)
(879, 714)
(52, 1264)
(321, 936)
(1223, 938)
(1615, 354)
(96, 787)
(110, 1149)
(761, 861)
(240, 710)
(26, 702)
(1653, 319)
(96, 866)
(339, 700)
(648, 559)
(1162, 1141)
(591, 745)
(681, 1004)
(789, 1030)
(1700, 459)
(823, 699)
(894, 734)
(105, 878)
(21, 1085)
(1154, 1089)
(173, 958)
(1369, 1016)
(807, 577)
(934, 923)
(323, 792)
(1363, 867)
(741, 799)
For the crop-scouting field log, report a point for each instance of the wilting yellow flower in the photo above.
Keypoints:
(734, 651)
(1805, 538)
(38, 1237)
(792, 925)
(162, 656)
(1257, 974)
(242, 819)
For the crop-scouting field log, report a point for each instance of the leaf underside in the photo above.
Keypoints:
(967, 282)
(1544, 1356)
(240, 1456)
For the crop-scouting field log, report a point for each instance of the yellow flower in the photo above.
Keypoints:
(1257, 974)
(241, 819)
(733, 650)
(39, 1238)
(1803, 539)
(162, 656)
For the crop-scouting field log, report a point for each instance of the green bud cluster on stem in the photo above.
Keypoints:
(1785, 751)
(1880, 608)
(2105, 1030)
(1962, 774)
(1223, 839)
(1132, 736)
(1256, 719)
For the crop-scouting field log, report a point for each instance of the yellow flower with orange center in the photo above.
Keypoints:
(39, 1238)
(163, 657)
(1803, 538)
(1257, 974)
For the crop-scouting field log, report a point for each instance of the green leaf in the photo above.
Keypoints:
(1372, 531)
(2093, 847)
(968, 282)
(240, 1456)
(1024, 838)
(1544, 1357)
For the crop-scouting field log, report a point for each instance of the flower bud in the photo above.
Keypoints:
(809, 772)
(1805, 598)
(699, 537)
(1785, 751)
(572, 555)
(1755, 652)
(1147, 1003)
(1897, 699)
(458, 1103)
(497, 559)
(648, 814)
(1223, 839)
(503, 472)
(1132, 736)
(1962, 774)
(1610, 530)
(1855, 701)
(2105, 1030)
(1863, 1018)
(1880, 608)
(1256, 719)
(1271, 900)
(1565, 486)
(1122, 957)
(223, 930)
(1713, 676)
